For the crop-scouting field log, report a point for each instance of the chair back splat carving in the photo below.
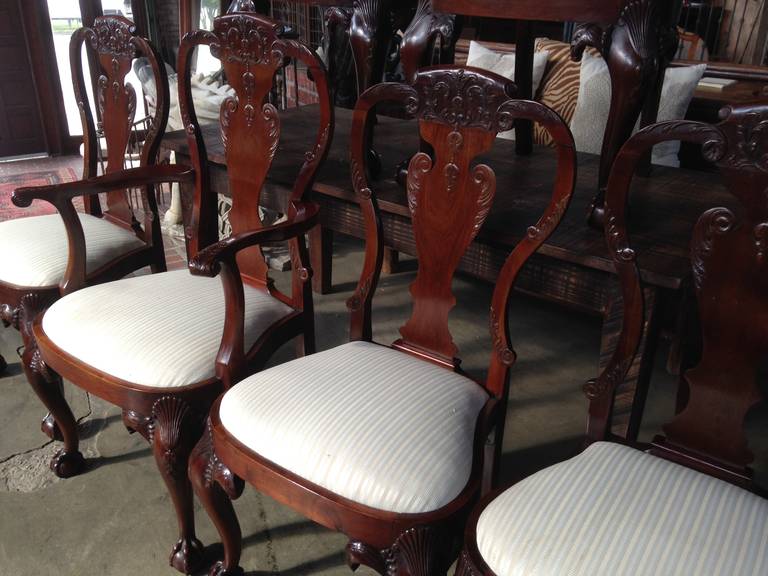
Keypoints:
(459, 113)
(251, 51)
(114, 40)
(730, 279)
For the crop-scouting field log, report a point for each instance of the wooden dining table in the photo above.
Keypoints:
(637, 39)
(572, 268)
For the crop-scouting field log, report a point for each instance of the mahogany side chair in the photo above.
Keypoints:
(386, 443)
(685, 504)
(158, 346)
(45, 257)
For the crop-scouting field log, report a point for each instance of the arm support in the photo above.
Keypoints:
(132, 178)
(221, 258)
(208, 261)
(61, 195)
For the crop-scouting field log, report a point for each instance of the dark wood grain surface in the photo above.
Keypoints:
(554, 10)
(664, 210)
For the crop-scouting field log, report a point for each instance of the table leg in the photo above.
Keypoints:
(636, 62)
(369, 34)
(629, 399)
(391, 261)
(524, 81)
(321, 258)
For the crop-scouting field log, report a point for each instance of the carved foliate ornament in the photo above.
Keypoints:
(462, 99)
(114, 37)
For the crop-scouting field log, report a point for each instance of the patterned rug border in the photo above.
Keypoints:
(8, 184)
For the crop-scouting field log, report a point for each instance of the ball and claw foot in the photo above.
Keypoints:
(219, 570)
(67, 464)
(187, 556)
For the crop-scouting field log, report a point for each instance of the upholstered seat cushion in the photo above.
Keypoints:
(34, 250)
(366, 422)
(615, 511)
(155, 330)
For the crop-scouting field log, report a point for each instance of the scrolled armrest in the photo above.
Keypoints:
(131, 178)
(208, 261)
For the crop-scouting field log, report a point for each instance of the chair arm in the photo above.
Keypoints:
(131, 178)
(208, 261)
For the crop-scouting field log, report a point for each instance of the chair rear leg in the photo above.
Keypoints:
(174, 431)
(49, 387)
(216, 486)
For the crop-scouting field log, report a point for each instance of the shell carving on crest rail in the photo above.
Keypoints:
(112, 36)
(247, 41)
(461, 98)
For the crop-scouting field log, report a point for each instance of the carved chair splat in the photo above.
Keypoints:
(702, 452)
(46, 259)
(212, 332)
(404, 524)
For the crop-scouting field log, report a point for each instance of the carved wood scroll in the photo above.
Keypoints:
(730, 279)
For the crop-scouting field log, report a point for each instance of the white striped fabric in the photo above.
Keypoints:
(34, 250)
(159, 330)
(367, 422)
(616, 511)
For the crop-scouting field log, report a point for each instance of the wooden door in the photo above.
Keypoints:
(21, 129)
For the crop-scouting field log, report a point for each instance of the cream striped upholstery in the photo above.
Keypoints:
(615, 511)
(367, 422)
(34, 250)
(156, 330)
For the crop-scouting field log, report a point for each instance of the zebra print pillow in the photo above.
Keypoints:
(560, 86)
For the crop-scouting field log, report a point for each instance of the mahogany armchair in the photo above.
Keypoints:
(386, 443)
(682, 504)
(164, 346)
(45, 257)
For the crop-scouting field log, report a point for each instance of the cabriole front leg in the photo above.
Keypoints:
(216, 486)
(47, 384)
(173, 432)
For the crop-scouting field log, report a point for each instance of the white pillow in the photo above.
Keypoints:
(504, 64)
(594, 103)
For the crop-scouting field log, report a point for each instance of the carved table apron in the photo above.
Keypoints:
(572, 268)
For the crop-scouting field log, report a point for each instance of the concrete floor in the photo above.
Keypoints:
(116, 519)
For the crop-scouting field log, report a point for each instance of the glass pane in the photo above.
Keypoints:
(65, 19)
(206, 63)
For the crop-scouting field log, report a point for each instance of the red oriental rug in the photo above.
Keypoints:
(8, 210)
